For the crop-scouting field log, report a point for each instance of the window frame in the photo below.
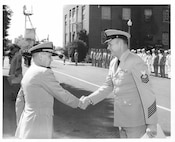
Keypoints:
(106, 13)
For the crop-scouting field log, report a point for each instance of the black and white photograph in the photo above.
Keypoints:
(87, 71)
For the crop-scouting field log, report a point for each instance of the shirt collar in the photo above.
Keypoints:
(35, 65)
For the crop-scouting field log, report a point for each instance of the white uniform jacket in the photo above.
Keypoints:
(34, 105)
(134, 101)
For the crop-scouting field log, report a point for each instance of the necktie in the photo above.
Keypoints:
(118, 63)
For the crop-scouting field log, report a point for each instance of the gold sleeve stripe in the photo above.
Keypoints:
(152, 109)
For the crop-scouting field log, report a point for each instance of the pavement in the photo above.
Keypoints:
(94, 123)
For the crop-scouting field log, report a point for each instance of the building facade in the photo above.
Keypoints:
(149, 26)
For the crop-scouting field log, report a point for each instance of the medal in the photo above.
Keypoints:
(144, 77)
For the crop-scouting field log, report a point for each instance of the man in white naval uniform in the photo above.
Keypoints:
(35, 100)
(135, 111)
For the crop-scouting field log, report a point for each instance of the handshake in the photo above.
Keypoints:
(84, 102)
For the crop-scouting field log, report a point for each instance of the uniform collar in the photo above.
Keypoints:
(35, 65)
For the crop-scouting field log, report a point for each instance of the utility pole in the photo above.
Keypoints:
(27, 15)
(29, 33)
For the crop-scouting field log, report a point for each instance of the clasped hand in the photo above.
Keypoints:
(84, 102)
(151, 130)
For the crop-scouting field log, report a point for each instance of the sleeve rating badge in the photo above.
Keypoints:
(144, 77)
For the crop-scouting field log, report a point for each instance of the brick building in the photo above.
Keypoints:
(150, 23)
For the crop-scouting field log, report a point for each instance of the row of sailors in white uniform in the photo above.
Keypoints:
(102, 58)
(149, 59)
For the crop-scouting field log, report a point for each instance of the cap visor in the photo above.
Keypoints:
(107, 41)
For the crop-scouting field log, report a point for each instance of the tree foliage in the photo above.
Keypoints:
(81, 44)
(7, 13)
(82, 35)
(81, 48)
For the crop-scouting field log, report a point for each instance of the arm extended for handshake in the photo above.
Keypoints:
(84, 102)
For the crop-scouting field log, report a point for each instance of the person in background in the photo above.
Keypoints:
(64, 59)
(160, 56)
(104, 58)
(76, 57)
(100, 58)
(132, 50)
(35, 100)
(149, 61)
(97, 57)
(139, 52)
(152, 59)
(162, 64)
(156, 63)
(15, 71)
(143, 55)
(92, 56)
(135, 111)
(109, 58)
(168, 63)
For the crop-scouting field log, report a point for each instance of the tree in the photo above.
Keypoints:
(81, 44)
(78, 45)
(82, 35)
(7, 13)
(23, 43)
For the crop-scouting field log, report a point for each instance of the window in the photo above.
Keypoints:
(73, 12)
(166, 15)
(65, 20)
(65, 41)
(83, 15)
(73, 15)
(106, 12)
(147, 14)
(73, 36)
(70, 37)
(69, 13)
(77, 11)
(126, 13)
(165, 38)
(70, 20)
(83, 12)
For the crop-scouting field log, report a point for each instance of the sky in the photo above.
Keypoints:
(46, 18)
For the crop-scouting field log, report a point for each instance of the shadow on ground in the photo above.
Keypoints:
(94, 122)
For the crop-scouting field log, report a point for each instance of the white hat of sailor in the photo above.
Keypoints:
(112, 34)
(43, 47)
